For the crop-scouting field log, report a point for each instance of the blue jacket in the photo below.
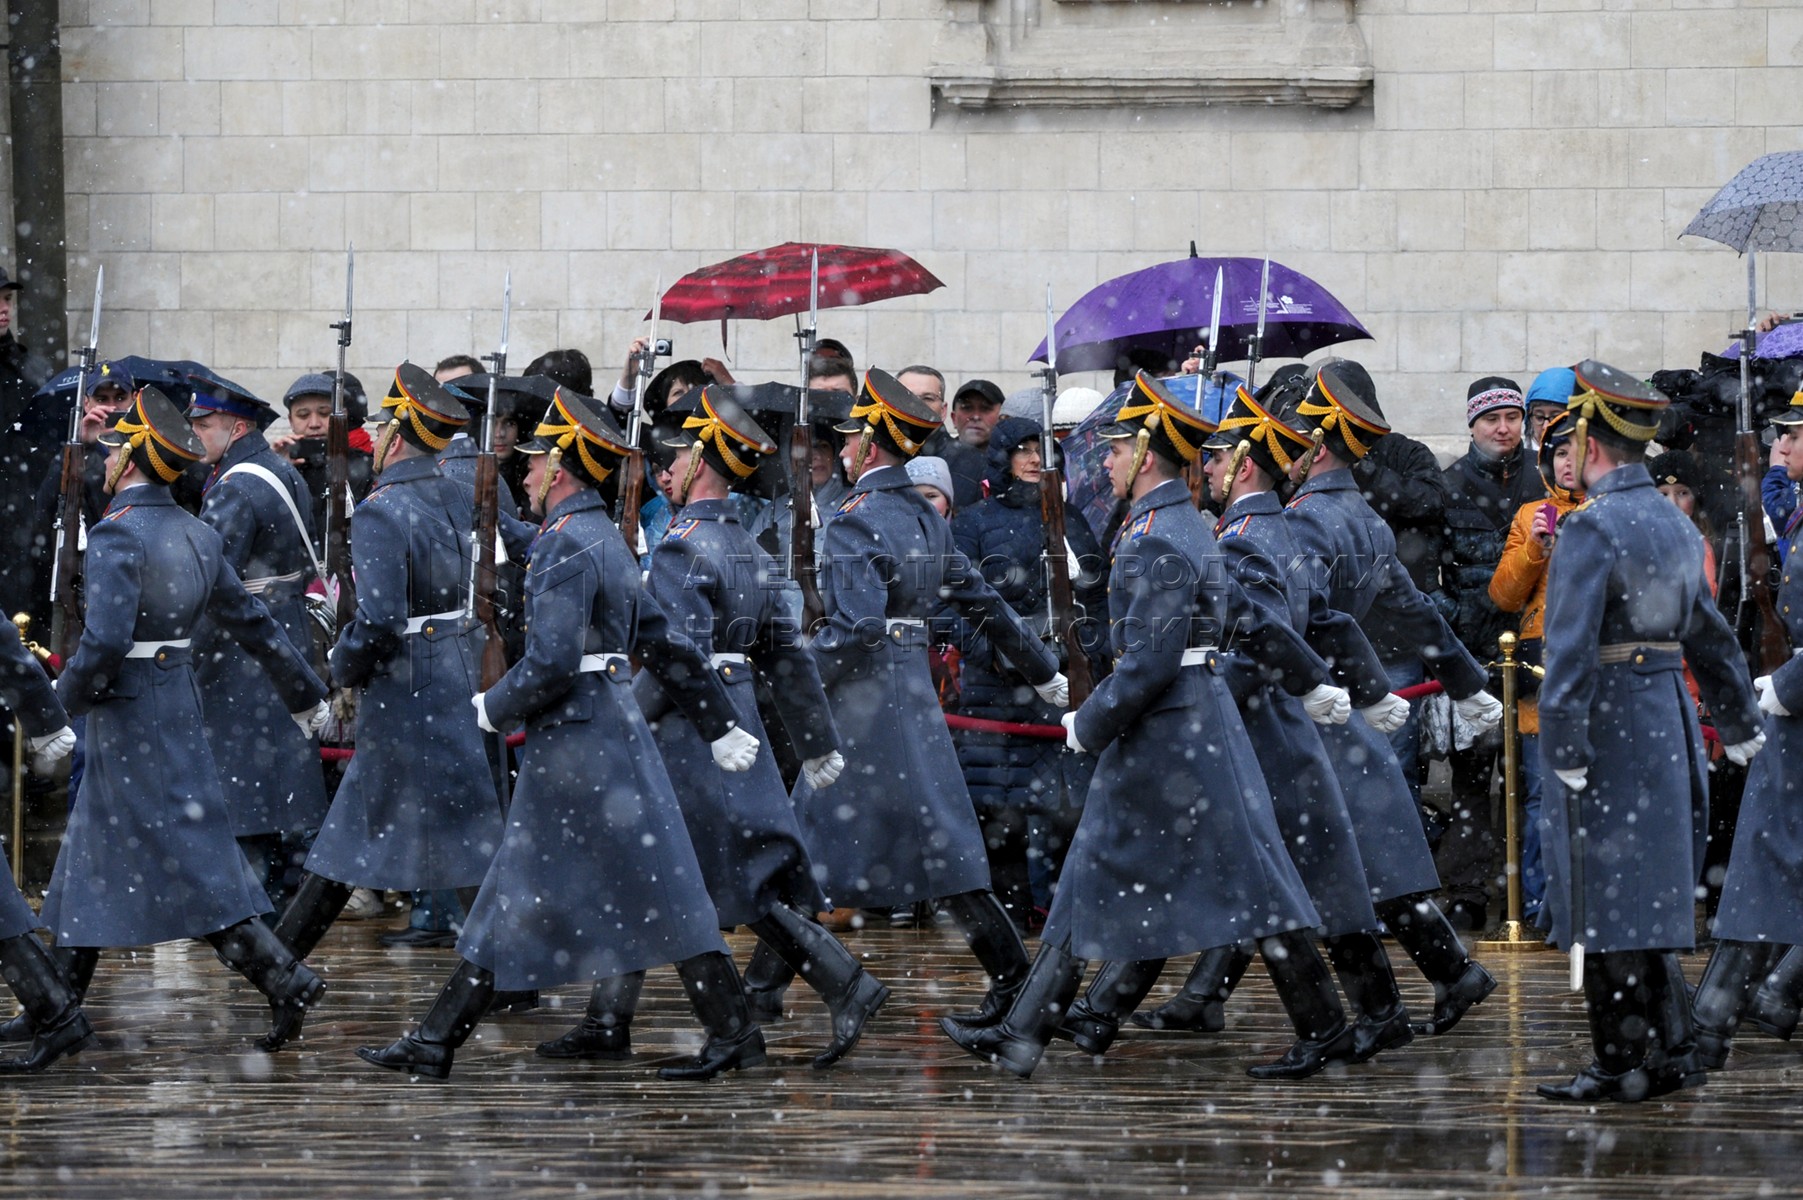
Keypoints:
(27, 692)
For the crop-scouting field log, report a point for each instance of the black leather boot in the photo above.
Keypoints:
(606, 1029)
(997, 945)
(767, 978)
(1674, 1060)
(1421, 929)
(1615, 1001)
(255, 952)
(851, 993)
(316, 904)
(1308, 995)
(1200, 1005)
(1364, 972)
(1779, 999)
(429, 1049)
(77, 968)
(59, 1027)
(1094, 1021)
(1723, 993)
(733, 1041)
(1018, 1040)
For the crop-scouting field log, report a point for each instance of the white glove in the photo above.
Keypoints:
(314, 719)
(1328, 705)
(1070, 733)
(1481, 709)
(821, 772)
(1741, 753)
(50, 749)
(480, 700)
(1768, 697)
(1387, 715)
(735, 751)
(1574, 779)
(1055, 691)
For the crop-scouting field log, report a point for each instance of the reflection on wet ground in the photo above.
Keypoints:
(175, 1104)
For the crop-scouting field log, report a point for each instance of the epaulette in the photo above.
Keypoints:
(851, 502)
(682, 529)
(1299, 499)
(559, 523)
(1234, 529)
(115, 515)
(376, 491)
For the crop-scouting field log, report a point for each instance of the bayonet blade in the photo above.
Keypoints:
(1213, 353)
(94, 321)
(1051, 334)
(814, 299)
(1264, 300)
(506, 318)
(350, 279)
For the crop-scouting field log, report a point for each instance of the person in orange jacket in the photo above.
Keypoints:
(1519, 585)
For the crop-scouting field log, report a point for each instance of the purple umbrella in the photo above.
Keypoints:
(1165, 309)
(1786, 341)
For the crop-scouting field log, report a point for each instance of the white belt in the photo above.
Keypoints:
(418, 624)
(1197, 656)
(258, 586)
(594, 663)
(720, 660)
(149, 649)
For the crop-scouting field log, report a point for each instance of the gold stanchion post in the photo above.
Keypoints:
(1515, 935)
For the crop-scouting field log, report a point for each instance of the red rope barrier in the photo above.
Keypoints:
(1051, 733)
(1432, 687)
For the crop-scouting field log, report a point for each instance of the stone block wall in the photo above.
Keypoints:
(1507, 198)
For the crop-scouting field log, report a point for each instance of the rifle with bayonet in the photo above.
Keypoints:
(338, 583)
(802, 568)
(1211, 357)
(632, 488)
(1061, 598)
(1756, 615)
(65, 563)
(485, 533)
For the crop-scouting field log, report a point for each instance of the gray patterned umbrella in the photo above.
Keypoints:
(1761, 208)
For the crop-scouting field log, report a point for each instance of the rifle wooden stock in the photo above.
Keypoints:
(1757, 618)
(488, 521)
(801, 526)
(632, 494)
(1064, 598)
(338, 515)
(66, 623)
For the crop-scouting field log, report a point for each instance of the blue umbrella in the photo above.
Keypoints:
(1086, 450)
(172, 376)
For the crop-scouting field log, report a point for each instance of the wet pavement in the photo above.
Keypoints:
(174, 1103)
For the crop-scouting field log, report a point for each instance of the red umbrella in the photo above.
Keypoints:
(774, 282)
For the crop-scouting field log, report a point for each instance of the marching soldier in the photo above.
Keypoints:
(1178, 849)
(149, 854)
(52, 1016)
(899, 828)
(256, 501)
(720, 589)
(1627, 606)
(411, 655)
(1761, 913)
(596, 878)
(1348, 551)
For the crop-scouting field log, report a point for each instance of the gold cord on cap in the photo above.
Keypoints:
(1337, 418)
(139, 433)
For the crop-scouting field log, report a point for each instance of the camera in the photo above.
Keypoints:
(661, 348)
(309, 454)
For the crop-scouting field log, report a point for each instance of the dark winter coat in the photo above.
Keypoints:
(1348, 556)
(1627, 572)
(149, 854)
(1483, 495)
(1401, 480)
(1178, 849)
(595, 876)
(722, 592)
(418, 807)
(1762, 897)
(1311, 810)
(268, 769)
(898, 826)
(27, 692)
